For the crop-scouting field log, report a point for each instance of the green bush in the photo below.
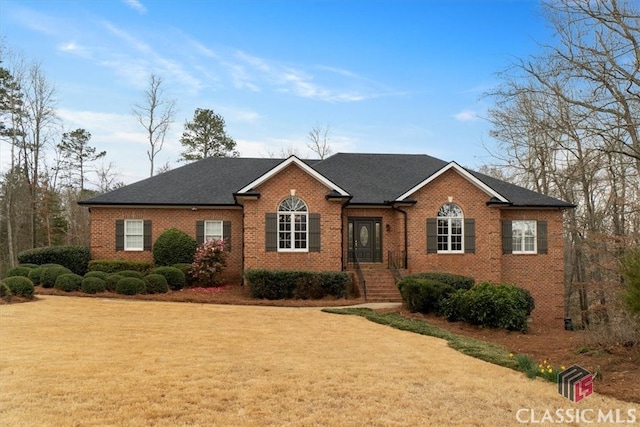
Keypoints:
(423, 295)
(453, 307)
(186, 268)
(75, 258)
(156, 284)
(99, 274)
(498, 306)
(132, 273)
(28, 265)
(174, 246)
(5, 292)
(19, 271)
(20, 286)
(35, 274)
(68, 282)
(631, 272)
(50, 275)
(174, 276)
(116, 265)
(93, 285)
(283, 284)
(456, 281)
(130, 286)
(112, 280)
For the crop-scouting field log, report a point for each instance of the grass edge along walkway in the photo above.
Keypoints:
(482, 350)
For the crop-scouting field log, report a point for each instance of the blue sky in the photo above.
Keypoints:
(386, 76)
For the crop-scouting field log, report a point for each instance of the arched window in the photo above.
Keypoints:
(450, 224)
(292, 224)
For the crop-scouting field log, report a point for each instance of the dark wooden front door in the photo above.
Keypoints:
(364, 235)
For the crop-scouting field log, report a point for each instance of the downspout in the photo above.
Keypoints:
(406, 236)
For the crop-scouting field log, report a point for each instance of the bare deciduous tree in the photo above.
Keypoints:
(155, 113)
(319, 140)
(568, 123)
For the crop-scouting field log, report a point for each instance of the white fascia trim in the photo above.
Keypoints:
(302, 165)
(462, 171)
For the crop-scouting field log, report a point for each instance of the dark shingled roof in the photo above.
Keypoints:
(368, 178)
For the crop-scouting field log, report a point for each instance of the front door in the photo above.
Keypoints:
(364, 236)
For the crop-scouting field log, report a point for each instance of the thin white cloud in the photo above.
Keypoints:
(136, 5)
(466, 116)
(75, 49)
(251, 72)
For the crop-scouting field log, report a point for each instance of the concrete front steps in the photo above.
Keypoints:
(380, 285)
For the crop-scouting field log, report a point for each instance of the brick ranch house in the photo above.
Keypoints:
(392, 213)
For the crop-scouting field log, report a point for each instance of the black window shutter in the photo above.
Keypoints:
(469, 236)
(226, 234)
(314, 232)
(200, 232)
(432, 236)
(507, 237)
(147, 235)
(271, 232)
(542, 238)
(119, 235)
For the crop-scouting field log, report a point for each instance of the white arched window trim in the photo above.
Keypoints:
(450, 222)
(293, 225)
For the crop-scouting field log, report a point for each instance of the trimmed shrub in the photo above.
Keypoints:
(117, 265)
(498, 306)
(20, 286)
(35, 274)
(5, 292)
(93, 285)
(28, 265)
(50, 275)
(283, 284)
(423, 295)
(19, 271)
(174, 276)
(173, 246)
(156, 284)
(112, 280)
(75, 258)
(99, 274)
(456, 281)
(130, 286)
(68, 282)
(453, 307)
(186, 269)
(132, 273)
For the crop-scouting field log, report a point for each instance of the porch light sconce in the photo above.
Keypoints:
(450, 198)
(292, 192)
(388, 227)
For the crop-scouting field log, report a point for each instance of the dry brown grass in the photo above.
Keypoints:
(97, 362)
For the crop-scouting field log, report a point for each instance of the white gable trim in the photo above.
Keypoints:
(462, 171)
(302, 165)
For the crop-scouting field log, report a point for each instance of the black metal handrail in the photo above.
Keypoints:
(395, 261)
(360, 274)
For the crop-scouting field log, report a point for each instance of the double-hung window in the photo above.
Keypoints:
(450, 228)
(213, 230)
(133, 235)
(292, 225)
(523, 237)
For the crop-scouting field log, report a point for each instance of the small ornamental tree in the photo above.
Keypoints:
(209, 261)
